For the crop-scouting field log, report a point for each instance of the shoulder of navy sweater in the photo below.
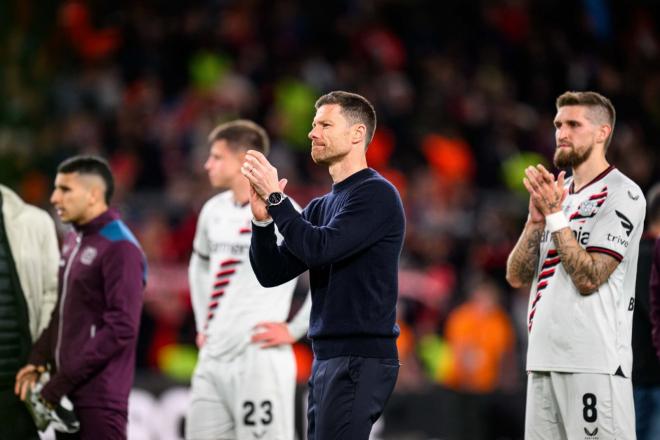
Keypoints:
(382, 197)
(367, 176)
(372, 188)
(377, 187)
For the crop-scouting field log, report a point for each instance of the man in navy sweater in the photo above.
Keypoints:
(350, 240)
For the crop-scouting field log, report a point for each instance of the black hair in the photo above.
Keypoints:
(90, 165)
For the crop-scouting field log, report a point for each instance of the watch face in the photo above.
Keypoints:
(275, 198)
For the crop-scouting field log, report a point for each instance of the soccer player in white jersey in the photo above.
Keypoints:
(578, 251)
(244, 383)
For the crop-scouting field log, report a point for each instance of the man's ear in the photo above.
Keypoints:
(603, 133)
(97, 191)
(97, 194)
(358, 133)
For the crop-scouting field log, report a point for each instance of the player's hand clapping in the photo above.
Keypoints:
(263, 181)
(261, 174)
(546, 193)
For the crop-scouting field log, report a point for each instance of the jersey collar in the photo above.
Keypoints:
(571, 188)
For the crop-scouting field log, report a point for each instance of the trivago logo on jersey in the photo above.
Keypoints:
(617, 240)
(625, 222)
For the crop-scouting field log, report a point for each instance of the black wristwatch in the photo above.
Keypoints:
(275, 199)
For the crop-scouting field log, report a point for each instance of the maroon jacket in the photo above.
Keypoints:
(93, 333)
(654, 292)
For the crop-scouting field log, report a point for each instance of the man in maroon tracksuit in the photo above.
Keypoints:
(90, 342)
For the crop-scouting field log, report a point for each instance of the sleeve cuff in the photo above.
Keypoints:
(262, 224)
(617, 256)
(57, 387)
(283, 212)
(296, 330)
(35, 358)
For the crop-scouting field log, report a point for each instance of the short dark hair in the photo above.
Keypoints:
(91, 165)
(242, 134)
(653, 204)
(595, 101)
(355, 108)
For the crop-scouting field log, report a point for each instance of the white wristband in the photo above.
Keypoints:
(556, 221)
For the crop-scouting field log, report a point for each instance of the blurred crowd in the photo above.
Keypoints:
(465, 98)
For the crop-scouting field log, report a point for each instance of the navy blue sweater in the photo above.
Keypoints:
(350, 240)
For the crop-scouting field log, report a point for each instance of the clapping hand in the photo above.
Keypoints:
(546, 193)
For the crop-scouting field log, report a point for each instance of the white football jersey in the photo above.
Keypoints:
(227, 299)
(569, 332)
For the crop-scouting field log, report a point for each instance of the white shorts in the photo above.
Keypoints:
(582, 406)
(251, 396)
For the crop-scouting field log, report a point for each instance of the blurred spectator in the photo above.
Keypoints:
(646, 359)
(481, 340)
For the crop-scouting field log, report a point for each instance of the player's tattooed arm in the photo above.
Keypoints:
(588, 270)
(524, 258)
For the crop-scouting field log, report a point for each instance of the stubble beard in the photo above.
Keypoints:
(318, 159)
(329, 155)
(322, 157)
(571, 158)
